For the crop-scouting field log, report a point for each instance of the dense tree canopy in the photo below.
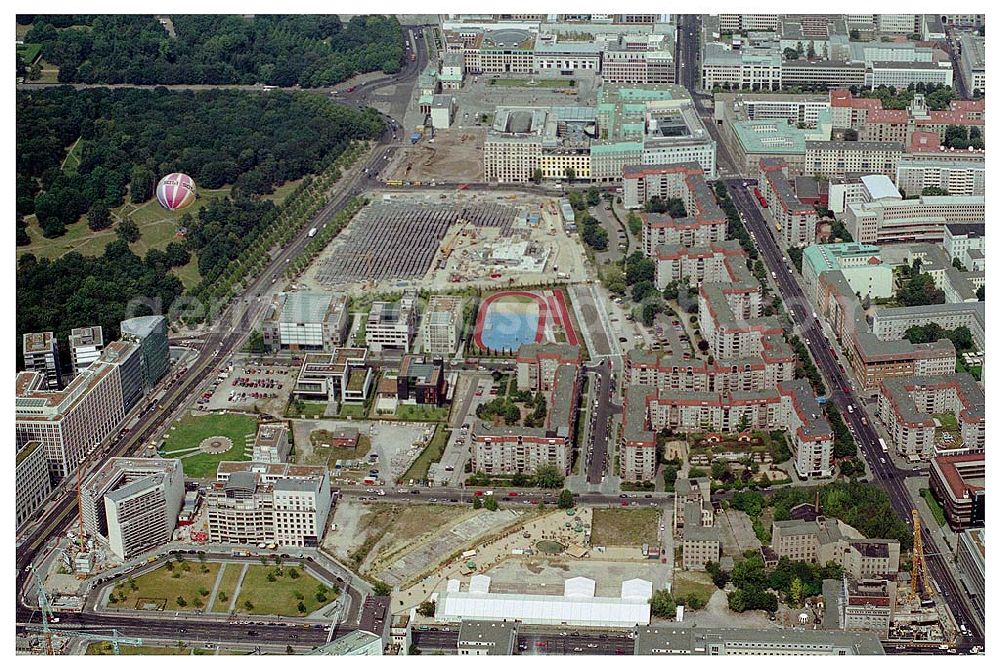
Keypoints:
(75, 290)
(127, 136)
(282, 50)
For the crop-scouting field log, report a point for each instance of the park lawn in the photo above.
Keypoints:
(188, 273)
(421, 413)
(230, 576)
(189, 431)
(281, 193)
(331, 454)
(431, 454)
(625, 527)
(29, 52)
(157, 227)
(72, 160)
(934, 506)
(692, 582)
(50, 73)
(160, 584)
(278, 598)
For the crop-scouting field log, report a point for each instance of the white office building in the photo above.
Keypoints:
(131, 504)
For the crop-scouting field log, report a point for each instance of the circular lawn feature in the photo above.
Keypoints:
(215, 445)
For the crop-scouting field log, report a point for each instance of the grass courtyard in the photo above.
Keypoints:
(188, 432)
(625, 527)
(227, 586)
(421, 413)
(167, 586)
(288, 594)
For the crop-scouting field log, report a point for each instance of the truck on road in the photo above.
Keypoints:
(312, 232)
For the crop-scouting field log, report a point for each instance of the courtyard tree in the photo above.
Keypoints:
(565, 499)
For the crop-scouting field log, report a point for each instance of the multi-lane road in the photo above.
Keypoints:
(228, 335)
(842, 395)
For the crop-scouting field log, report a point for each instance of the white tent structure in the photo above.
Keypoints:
(637, 589)
(579, 587)
(479, 584)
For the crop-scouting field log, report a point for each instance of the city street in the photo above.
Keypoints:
(841, 394)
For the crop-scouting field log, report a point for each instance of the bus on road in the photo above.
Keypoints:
(881, 442)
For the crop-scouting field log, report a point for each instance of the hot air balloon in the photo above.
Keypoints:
(175, 191)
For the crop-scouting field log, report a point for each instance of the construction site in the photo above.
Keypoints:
(427, 239)
(454, 155)
(920, 616)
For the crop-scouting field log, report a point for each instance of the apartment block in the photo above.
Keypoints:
(85, 345)
(830, 159)
(41, 354)
(306, 321)
(791, 406)
(908, 405)
(871, 358)
(31, 480)
(962, 178)
(958, 481)
(507, 450)
(441, 325)
(537, 364)
(392, 325)
(793, 221)
(252, 503)
(131, 504)
(716, 262)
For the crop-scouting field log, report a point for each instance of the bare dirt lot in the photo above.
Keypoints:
(455, 156)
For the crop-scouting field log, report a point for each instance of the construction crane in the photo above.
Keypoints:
(48, 618)
(920, 580)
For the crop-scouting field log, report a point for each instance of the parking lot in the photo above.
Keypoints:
(243, 386)
(473, 391)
